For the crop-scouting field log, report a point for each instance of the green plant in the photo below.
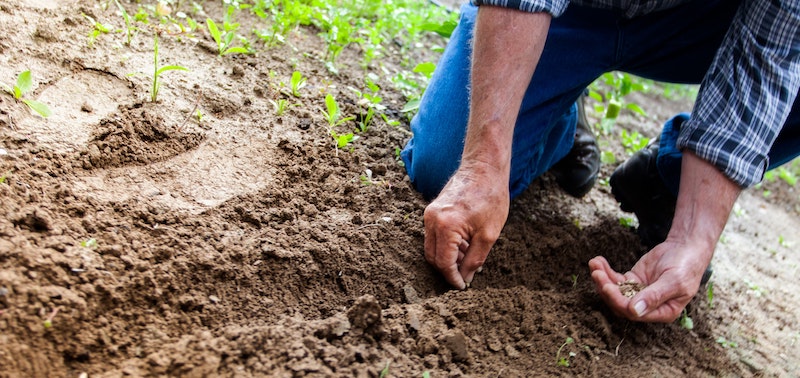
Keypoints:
(616, 86)
(97, 29)
(627, 222)
(4, 177)
(297, 82)
(726, 343)
(89, 243)
(564, 361)
(280, 106)
(385, 371)
(633, 142)
(23, 85)
(685, 321)
(130, 30)
(224, 41)
(157, 71)
(334, 117)
(710, 294)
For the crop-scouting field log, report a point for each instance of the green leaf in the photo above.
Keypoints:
(236, 50)
(214, 30)
(170, 68)
(636, 108)
(24, 82)
(426, 69)
(38, 107)
(411, 106)
(444, 29)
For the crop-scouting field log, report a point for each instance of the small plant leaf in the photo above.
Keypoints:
(24, 83)
(170, 68)
(214, 30)
(635, 108)
(38, 107)
(236, 50)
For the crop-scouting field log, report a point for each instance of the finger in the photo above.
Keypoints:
(446, 259)
(462, 251)
(599, 263)
(660, 302)
(474, 259)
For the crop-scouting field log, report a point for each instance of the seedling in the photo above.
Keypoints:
(385, 371)
(89, 243)
(633, 141)
(23, 86)
(280, 106)
(224, 41)
(574, 278)
(298, 82)
(726, 343)
(564, 361)
(158, 71)
(333, 114)
(49, 321)
(98, 28)
(710, 294)
(686, 322)
(4, 177)
(130, 30)
(626, 222)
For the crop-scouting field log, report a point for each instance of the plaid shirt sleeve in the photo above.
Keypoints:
(554, 7)
(748, 91)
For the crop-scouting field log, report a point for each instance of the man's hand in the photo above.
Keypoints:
(673, 269)
(463, 223)
(671, 273)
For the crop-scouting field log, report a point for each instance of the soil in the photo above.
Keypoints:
(246, 244)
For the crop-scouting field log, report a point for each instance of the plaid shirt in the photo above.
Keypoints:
(747, 92)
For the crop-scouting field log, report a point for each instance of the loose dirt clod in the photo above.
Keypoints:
(630, 288)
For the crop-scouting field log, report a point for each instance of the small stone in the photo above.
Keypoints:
(411, 294)
(457, 343)
(213, 298)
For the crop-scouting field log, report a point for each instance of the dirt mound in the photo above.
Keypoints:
(135, 136)
(244, 243)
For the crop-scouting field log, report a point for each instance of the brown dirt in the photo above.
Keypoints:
(246, 245)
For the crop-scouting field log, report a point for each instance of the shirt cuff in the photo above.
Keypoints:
(553, 7)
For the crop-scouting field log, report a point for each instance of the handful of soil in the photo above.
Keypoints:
(630, 288)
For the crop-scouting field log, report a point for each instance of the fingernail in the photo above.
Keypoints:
(466, 284)
(480, 269)
(640, 308)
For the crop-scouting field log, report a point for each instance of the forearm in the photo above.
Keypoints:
(705, 200)
(507, 47)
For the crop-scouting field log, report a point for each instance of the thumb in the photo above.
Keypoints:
(659, 302)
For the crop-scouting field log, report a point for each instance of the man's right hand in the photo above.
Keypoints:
(462, 224)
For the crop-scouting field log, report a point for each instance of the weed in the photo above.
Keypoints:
(564, 361)
(23, 85)
(726, 343)
(617, 85)
(686, 322)
(97, 29)
(280, 106)
(89, 243)
(224, 41)
(130, 30)
(157, 71)
(633, 141)
(710, 294)
(385, 371)
(297, 82)
(627, 222)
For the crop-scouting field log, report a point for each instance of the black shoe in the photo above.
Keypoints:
(577, 172)
(638, 187)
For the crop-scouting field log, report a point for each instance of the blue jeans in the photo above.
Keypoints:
(675, 45)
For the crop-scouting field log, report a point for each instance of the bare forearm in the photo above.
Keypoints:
(507, 47)
(705, 201)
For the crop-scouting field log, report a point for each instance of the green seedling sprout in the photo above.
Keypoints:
(297, 82)
(686, 322)
(49, 321)
(726, 343)
(89, 243)
(334, 118)
(710, 294)
(157, 71)
(280, 106)
(564, 361)
(224, 41)
(130, 30)
(4, 177)
(385, 371)
(98, 28)
(23, 85)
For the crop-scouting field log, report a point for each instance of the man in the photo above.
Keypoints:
(500, 111)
